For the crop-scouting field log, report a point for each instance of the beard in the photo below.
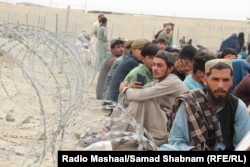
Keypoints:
(219, 101)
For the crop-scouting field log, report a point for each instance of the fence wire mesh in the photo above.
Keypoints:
(44, 79)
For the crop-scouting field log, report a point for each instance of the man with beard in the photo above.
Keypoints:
(209, 119)
(150, 105)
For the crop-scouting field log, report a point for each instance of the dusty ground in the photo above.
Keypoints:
(43, 104)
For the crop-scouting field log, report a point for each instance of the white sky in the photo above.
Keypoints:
(218, 9)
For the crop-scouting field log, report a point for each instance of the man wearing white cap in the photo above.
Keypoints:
(165, 24)
(210, 119)
(167, 34)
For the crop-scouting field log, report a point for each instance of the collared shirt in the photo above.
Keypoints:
(179, 138)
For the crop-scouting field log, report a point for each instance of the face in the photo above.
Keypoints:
(118, 50)
(218, 85)
(137, 54)
(99, 17)
(230, 56)
(184, 65)
(168, 30)
(176, 54)
(200, 75)
(160, 69)
(148, 61)
(162, 45)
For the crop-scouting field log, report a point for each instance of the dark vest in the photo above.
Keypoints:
(226, 118)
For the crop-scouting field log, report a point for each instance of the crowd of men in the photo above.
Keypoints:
(186, 97)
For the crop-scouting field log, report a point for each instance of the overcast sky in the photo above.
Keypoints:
(218, 9)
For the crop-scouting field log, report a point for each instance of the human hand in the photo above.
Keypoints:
(183, 66)
(134, 85)
(123, 85)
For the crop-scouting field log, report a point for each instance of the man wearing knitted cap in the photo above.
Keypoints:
(127, 63)
(210, 119)
(151, 105)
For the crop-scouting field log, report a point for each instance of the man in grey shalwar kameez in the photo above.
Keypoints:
(150, 105)
(102, 42)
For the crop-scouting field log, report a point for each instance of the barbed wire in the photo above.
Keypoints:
(44, 78)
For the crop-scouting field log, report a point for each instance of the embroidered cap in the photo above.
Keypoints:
(211, 63)
(168, 27)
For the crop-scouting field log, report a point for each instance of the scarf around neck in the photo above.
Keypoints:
(203, 125)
